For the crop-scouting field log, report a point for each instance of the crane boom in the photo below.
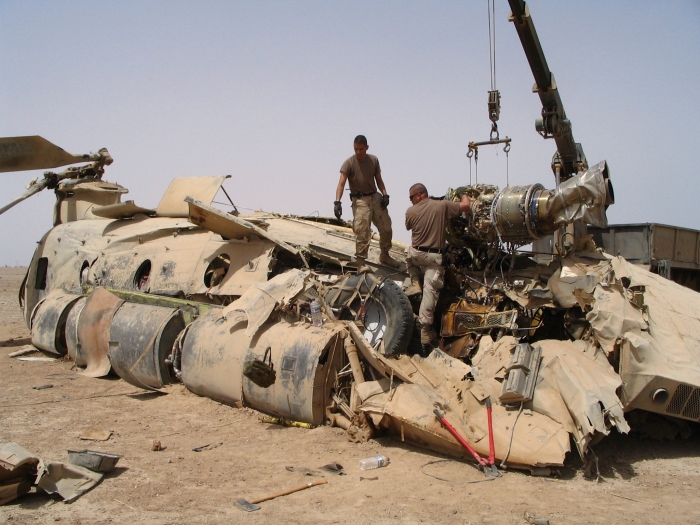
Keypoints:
(569, 158)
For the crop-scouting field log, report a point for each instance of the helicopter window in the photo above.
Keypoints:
(42, 266)
(142, 274)
(84, 273)
(217, 269)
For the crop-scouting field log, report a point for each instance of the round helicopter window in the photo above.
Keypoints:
(142, 275)
(217, 269)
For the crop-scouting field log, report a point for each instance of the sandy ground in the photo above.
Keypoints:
(643, 481)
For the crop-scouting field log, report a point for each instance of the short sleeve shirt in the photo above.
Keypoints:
(361, 174)
(427, 220)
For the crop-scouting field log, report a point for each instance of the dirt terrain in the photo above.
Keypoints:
(642, 480)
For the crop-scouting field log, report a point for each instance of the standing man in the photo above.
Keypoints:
(427, 219)
(368, 206)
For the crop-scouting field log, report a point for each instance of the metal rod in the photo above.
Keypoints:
(473, 145)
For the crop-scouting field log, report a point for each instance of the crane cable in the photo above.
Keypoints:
(494, 104)
(491, 12)
(494, 94)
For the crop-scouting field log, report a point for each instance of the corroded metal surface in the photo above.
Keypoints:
(93, 331)
(141, 337)
(215, 351)
(49, 322)
(72, 331)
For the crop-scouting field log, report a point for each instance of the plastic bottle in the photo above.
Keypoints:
(374, 462)
(316, 318)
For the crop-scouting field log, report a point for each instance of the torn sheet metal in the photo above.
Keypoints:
(660, 365)
(49, 322)
(203, 189)
(387, 367)
(227, 225)
(326, 239)
(574, 277)
(612, 315)
(442, 381)
(305, 358)
(68, 481)
(582, 197)
(93, 460)
(250, 264)
(407, 411)
(16, 462)
(260, 300)
(93, 331)
(576, 385)
(578, 388)
(18, 469)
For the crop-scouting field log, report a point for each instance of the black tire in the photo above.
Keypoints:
(388, 312)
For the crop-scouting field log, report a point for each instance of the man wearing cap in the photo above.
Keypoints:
(427, 220)
(363, 173)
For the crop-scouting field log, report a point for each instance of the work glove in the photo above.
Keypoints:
(338, 209)
(385, 201)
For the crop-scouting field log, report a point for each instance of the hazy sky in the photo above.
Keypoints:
(274, 92)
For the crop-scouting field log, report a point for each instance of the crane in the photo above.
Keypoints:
(569, 158)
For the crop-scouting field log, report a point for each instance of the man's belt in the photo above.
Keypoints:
(427, 249)
(360, 194)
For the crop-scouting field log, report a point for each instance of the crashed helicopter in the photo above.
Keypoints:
(533, 359)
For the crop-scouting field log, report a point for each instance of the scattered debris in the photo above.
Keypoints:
(38, 359)
(42, 387)
(20, 469)
(132, 508)
(374, 462)
(24, 350)
(335, 469)
(93, 460)
(68, 481)
(210, 446)
(95, 434)
(532, 520)
(285, 422)
(625, 497)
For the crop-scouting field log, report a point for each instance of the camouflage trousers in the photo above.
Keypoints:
(427, 266)
(367, 210)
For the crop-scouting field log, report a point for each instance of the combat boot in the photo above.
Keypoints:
(387, 260)
(361, 266)
(415, 288)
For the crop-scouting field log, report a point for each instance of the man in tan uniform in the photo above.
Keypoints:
(427, 219)
(368, 206)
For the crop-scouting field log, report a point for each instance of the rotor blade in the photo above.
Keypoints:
(35, 188)
(34, 153)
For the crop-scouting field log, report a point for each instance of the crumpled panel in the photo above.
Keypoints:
(586, 384)
(93, 331)
(260, 300)
(613, 316)
(582, 197)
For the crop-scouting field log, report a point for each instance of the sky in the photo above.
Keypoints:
(273, 93)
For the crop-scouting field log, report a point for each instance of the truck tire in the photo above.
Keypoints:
(387, 315)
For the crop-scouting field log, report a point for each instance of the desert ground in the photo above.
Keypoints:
(641, 480)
